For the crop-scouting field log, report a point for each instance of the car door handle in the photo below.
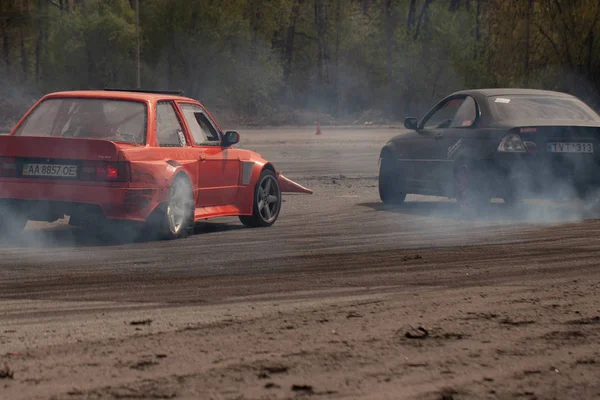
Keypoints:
(438, 135)
(201, 157)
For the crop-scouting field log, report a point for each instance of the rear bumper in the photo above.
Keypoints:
(47, 201)
(533, 176)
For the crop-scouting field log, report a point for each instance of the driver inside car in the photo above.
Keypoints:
(89, 122)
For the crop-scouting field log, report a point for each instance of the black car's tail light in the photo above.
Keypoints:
(105, 171)
(531, 147)
(511, 143)
(8, 166)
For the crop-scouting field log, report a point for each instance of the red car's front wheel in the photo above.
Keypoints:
(267, 201)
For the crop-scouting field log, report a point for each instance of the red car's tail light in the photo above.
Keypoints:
(112, 172)
(8, 166)
(105, 171)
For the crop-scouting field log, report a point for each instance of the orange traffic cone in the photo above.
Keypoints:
(318, 129)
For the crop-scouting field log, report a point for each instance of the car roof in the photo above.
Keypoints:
(121, 95)
(510, 91)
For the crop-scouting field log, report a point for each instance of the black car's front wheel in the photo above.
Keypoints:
(391, 189)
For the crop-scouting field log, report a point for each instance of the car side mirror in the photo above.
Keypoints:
(411, 123)
(231, 138)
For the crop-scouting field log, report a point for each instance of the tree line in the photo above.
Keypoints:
(297, 61)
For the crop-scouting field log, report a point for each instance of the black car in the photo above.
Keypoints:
(475, 145)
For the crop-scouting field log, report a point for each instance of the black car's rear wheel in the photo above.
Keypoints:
(391, 190)
(470, 188)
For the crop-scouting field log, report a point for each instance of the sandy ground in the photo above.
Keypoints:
(342, 298)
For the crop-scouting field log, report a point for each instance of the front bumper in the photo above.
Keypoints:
(48, 201)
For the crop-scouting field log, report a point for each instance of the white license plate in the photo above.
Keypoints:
(562, 147)
(56, 170)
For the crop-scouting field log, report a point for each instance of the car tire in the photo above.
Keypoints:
(175, 218)
(471, 189)
(12, 222)
(267, 201)
(390, 183)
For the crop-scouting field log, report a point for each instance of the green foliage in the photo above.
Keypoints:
(279, 61)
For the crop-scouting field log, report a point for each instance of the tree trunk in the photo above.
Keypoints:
(590, 55)
(528, 13)
(6, 47)
(137, 45)
(412, 12)
(321, 23)
(338, 29)
(170, 45)
(387, 12)
(38, 52)
(454, 5)
(422, 18)
(477, 28)
(41, 39)
(289, 42)
(24, 56)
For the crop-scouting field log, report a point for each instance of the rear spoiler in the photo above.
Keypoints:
(58, 148)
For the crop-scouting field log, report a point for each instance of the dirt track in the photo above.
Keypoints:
(318, 305)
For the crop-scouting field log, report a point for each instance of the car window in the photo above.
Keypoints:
(442, 118)
(540, 107)
(41, 120)
(466, 114)
(86, 118)
(169, 132)
(202, 130)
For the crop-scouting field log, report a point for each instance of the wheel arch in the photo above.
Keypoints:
(388, 149)
(460, 160)
(268, 166)
(174, 171)
(155, 218)
(181, 174)
(250, 173)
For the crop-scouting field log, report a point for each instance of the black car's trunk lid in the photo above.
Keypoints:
(561, 139)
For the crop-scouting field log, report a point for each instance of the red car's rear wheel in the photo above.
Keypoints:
(175, 218)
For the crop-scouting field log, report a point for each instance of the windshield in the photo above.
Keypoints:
(531, 107)
(108, 119)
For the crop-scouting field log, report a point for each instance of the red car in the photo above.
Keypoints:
(109, 156)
